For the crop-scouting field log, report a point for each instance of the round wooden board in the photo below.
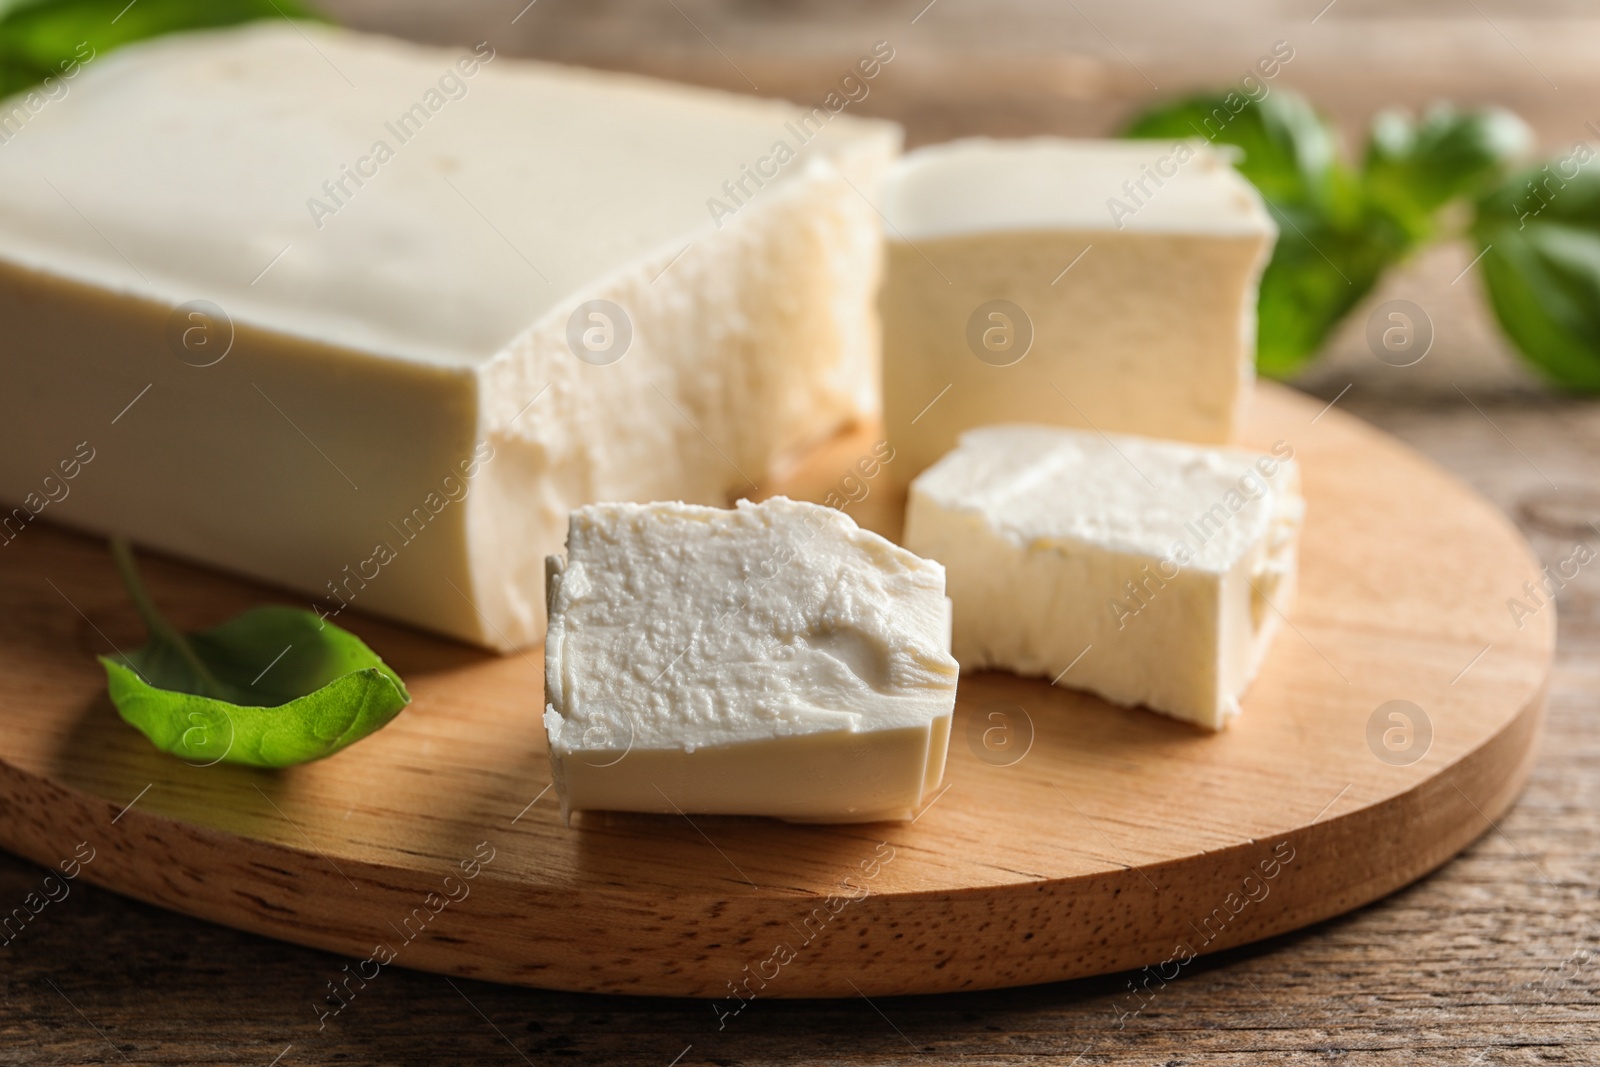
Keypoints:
(1087, 839)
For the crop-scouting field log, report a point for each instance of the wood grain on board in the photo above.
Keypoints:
(1115, 838)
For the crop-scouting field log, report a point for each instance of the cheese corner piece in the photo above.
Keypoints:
(1056, 281)
(366, 319)
(774, 659)
(1150, 572)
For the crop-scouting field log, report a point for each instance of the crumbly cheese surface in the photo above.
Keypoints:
(683, 636)
(1042, 488)
(449, 296)
(1149, 572)
(1068, 283)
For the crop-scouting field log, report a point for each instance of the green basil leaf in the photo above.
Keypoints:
(1542, 267)
(273, 687)
(1413, 169)
(1318, 273)
(44, 38)
(1332, 244)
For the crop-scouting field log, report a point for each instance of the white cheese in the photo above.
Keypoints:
(773, 659)
(1079, 283)
(1149, 572)
(406, 242)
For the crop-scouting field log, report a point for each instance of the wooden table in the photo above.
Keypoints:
(1494, 960)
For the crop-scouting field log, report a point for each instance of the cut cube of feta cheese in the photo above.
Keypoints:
(1054, 281)
(366, 319)
(1148, 572)
(773, 659)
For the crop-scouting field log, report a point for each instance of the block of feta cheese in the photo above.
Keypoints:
(366, 319)
(773, 659)
(1074, 283)
(1149, 572)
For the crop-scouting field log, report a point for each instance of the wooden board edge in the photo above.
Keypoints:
(1331, 873)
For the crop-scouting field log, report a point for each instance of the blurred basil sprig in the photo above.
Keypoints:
(53, 39)
(1453, 173)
